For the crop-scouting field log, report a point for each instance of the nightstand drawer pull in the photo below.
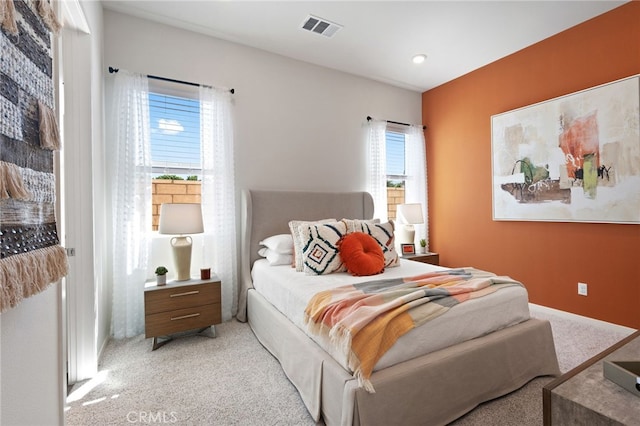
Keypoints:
(186, 293)
(185, 317)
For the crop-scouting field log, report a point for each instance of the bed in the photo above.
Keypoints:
(417, 388)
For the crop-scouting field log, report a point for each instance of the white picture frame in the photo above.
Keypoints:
(575, 158)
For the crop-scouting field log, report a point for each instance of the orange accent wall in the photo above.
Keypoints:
(458, 118)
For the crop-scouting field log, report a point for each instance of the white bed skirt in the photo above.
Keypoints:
(440, 386)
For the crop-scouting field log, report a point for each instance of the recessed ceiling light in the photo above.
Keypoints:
(418, 59)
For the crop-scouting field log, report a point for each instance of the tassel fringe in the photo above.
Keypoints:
(25, 275)
(11, 183)
(49, 133)
(8, 17)
(341, 338)
(48, 16)
(364, 383)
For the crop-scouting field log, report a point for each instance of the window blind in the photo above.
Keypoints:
(395, 155)
(175, 134)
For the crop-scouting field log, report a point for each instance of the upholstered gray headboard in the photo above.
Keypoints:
(266, 213)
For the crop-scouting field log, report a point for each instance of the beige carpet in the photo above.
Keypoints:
(233, 380)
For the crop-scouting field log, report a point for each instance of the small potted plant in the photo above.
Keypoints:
(423, 245)
(161, 275)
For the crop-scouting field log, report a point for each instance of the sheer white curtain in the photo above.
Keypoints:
(377, 167)
(218, 193)
(415, 190)
(129, 172)
(415, 170)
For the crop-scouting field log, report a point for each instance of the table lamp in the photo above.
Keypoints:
(408, 215)
(181, 219)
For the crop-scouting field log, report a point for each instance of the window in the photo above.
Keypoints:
(396, 174)
(397, 167)
(396, 170)
(175, 147)
(175, 135)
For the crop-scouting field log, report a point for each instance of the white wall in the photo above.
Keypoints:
(298, 126)
(31, 361)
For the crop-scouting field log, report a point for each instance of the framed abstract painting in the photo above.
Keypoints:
(575, 158)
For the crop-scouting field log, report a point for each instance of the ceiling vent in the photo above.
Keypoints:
(320, 26)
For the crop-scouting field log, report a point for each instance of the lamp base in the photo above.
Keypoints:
(406, 235)
(182, 257)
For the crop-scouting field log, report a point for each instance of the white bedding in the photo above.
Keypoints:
(289, 291)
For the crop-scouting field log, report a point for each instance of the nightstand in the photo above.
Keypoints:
(432, 258)
(181, 306)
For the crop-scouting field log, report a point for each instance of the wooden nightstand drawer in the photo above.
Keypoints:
(172, 298)
(181, 306)
(164, 323)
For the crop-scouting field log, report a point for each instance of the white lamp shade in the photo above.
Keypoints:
(181, 219)
(410, 213)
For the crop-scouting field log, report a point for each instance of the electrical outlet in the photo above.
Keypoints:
(582, 289)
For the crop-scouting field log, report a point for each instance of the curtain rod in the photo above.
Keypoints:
(171, 80)
(369, 118)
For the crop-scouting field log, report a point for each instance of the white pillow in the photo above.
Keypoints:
(298, 242)
(281, 243)
(275, 258)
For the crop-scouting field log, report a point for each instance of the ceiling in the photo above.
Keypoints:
(379, 38)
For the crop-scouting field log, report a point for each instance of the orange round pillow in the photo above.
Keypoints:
(361, 254)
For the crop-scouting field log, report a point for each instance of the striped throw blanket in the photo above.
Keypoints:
(364, 320)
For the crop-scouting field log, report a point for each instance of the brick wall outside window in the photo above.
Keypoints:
(395, 196)
(166, 191)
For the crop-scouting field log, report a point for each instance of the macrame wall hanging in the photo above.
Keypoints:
(31, 257)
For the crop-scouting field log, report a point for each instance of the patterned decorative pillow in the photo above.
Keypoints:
(321, 254)
(294, 227)
(382, 233)
(355, 225)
